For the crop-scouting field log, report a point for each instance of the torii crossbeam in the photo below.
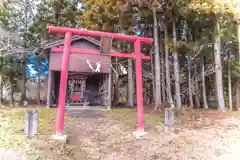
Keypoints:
(65, 61)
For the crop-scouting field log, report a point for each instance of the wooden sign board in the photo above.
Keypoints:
(106, 45)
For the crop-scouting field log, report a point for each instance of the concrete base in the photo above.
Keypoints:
(139, 134)
(61, 138)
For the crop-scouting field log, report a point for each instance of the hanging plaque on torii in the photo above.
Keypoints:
(137, 55)
(106, 44)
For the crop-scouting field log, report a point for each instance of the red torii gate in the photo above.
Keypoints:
(65, 61)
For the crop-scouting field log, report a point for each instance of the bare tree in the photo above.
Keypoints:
(168, 78)
(176, 68)
(205, 104)
(6, 49)
(218, 67)
(190, 92)
(158, 97)
(229, 85)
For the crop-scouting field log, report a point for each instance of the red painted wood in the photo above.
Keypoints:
(63, 83)
(78, 62)
(64, 70)
(137, 50)
(84, 32)
(96, 52)
(76, 98)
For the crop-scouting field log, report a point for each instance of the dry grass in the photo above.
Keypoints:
(12, 125)
(128, 117)
(12, 133)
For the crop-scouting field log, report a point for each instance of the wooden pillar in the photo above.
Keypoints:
(82, 86)
(238, 98)
(49, 89)
(63, 84)
(238, 85)
(110, 90)
(139, 86)
(130, 83)
(104, 97)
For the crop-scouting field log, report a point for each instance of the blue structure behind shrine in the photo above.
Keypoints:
(33, 70)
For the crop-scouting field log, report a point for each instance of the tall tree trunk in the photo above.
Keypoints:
(190, 85)
(24, 79)
(25, 45)
(38, 82)
(153, 80)
(169, 109)
(130, 83)
(1, 90)
(158, 100)
(229, 85)
(197, 97)
(205, 104)
(145, 94)
(190, 80)
(168, 79)
(218, 68)
(238, 85)
(196, 88)
(176, 68)
(1, 80)
(23, 94)
(11, 92)
(163, 79)
(162, 72)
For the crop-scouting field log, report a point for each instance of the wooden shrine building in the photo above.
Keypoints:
(89, 75)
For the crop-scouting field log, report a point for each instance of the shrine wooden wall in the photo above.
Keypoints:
(78, 62)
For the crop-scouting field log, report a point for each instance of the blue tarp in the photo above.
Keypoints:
(31, 69)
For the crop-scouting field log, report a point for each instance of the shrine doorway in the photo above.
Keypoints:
(96, 89)
(84, 89)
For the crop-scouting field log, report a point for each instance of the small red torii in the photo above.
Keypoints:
(65, 61)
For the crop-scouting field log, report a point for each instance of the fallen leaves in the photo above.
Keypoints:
(201, 134)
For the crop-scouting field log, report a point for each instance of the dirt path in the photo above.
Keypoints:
(105, 139)
(10, 154)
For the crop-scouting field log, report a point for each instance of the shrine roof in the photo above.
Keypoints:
(49, 45)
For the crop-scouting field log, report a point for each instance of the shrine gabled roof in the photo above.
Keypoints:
(49, 45)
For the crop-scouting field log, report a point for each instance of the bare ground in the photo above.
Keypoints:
(198, 135)
(216, 138)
